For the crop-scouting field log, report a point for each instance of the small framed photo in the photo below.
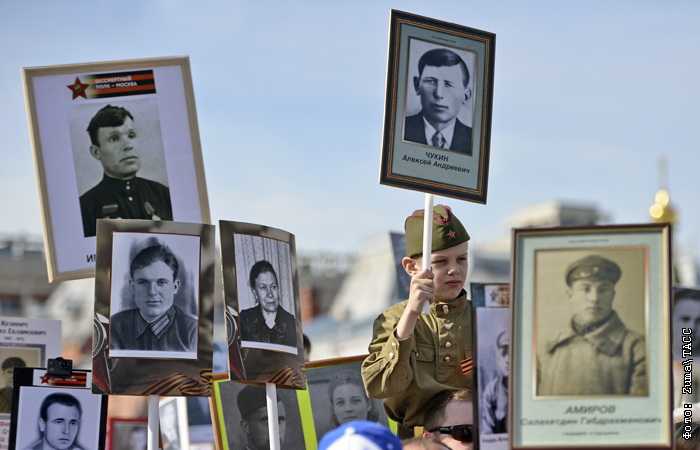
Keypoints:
(337, 395)
(239, 413)
(174, 429)
(491, 380)
(154, 293)
(112, 140)
(261, 292)
(490, 295)
(591, 338)
(127, 434)
(437, 120)
(56, 412)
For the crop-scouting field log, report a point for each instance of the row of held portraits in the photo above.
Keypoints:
(154, 306)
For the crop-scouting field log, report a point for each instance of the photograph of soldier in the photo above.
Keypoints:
(54, 418)
(439, 96)
(686, 323)
(493, 363)
(129, 434)
(589, 329)
(338, 396)
(154, 306)
(265, 294)
(245, 417)
(12, 357)
(119, 142)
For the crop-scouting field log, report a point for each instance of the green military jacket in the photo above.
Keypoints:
(608, 361)
(437, 356)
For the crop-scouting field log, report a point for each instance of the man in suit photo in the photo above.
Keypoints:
(442, 85)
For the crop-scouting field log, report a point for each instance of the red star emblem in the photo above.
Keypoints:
(45, 379)
(78, 89)
(450, 235)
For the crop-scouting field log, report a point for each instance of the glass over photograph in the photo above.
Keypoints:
(439, 96)
(590, 328)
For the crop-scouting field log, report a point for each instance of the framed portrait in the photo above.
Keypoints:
(263, 313)
(491, 379)
(591, 337)
(239, 413)
(174, 430)
(56, 412)
(154, 296)
(336, 395)
(127, 434)
(437, 120)
(25, 343)
(112, 140)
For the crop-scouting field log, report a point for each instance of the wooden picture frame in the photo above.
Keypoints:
(257, 353)
(127, 358)
(421, 52)
(590, 344)
(148, 105)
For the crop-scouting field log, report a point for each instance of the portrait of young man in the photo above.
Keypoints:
(59, 423)
(159, 314)
(117, 144)
(592, 351)
(442, 83)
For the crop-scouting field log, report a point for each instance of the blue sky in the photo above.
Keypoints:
(290, 101)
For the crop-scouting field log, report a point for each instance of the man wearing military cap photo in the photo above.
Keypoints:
(8, 369)
(595, 353)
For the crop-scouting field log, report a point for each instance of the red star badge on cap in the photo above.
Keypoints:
(450, 235)
(45, 379)
(78, 89)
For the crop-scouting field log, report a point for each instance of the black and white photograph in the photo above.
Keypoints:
(439, 96)
(686, 323)
(119, 161)
(154, 308)
(265, 293)
(245, 420)
(11, 357)
(493, 364)
(58, 419)
(155, 296)
(127, 434)
(173, 424)
(263, 307)
(590, 322)
(338, 396)
(438, 107)
(591, 337)
(116, 139)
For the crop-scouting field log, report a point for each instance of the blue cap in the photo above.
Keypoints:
(360, 435)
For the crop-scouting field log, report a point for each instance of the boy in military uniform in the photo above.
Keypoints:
(595, 353)
(414, 356)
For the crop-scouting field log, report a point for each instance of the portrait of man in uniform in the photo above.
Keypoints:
(158, 314)
(590, 316)
(442, 84)
(116, 143)
(686, 323)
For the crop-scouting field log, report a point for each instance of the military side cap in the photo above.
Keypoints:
(448, 231)
(13, 362)
(251, 399)
(593, 266)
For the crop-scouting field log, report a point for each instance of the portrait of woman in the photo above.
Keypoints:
(348, 399)
(267, 322)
